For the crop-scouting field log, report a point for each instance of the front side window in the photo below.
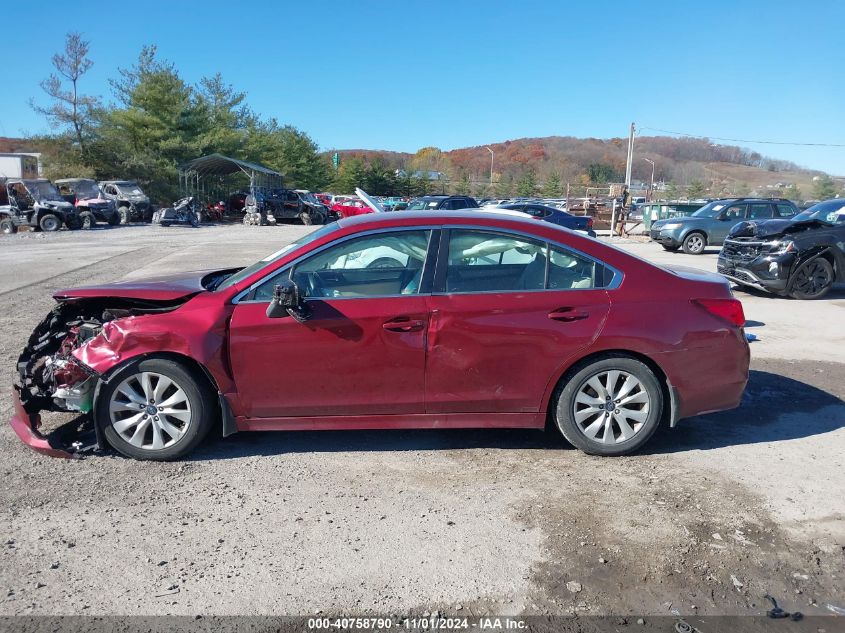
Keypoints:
(384, 264)
(734, 212)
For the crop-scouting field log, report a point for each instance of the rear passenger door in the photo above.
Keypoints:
(507, 311)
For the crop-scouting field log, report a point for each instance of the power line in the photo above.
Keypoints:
(740, 140)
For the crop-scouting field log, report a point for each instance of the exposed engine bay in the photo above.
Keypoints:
(52, 378)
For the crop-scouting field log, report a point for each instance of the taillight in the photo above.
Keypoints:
(589, 222)
(728, 309)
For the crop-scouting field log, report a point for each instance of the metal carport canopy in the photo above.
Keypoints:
(219, 165)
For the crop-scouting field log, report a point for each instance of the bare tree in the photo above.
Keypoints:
(69, 108)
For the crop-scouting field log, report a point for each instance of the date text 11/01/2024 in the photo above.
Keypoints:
(424, 623)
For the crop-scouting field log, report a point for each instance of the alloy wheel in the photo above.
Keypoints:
(695, 243)
(150, 411)
(611, 407)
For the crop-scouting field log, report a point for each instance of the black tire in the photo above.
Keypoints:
(305, 218)
(114, 219)
(165, 223)
(199, 398)
(7, 226)
(576, 383)
(671, 249)
(49, 223)
(124, 215)
(87, 220)
(695, 243)
(812, 280)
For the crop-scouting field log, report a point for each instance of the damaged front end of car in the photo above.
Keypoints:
(53, 376)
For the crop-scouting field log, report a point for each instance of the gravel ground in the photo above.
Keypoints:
(707, 520)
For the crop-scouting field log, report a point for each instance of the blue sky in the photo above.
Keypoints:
(403, 75)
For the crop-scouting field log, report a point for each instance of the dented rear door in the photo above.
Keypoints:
(496, 352)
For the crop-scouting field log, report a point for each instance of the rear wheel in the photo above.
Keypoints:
(694, 243)
(155, 409)
(49, 222)
(610, 406)
(813, 280)
(7, 226)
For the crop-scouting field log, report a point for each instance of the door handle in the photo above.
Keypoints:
(404, 325)
(567, 315)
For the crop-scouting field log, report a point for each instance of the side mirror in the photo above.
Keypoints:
(287, 300)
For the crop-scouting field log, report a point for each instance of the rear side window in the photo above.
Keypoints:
(785, 210)
(481, 261)
(759, 211)
(570, 271)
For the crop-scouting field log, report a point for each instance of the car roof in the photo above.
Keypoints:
(75, 180)
(374, 220)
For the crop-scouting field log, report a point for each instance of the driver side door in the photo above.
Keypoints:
(361, 352)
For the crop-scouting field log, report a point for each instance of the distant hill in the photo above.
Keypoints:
(722, 168)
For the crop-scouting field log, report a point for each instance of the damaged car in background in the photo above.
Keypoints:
(390, 321)
(92, 206)
(131, 202)
(802, 257)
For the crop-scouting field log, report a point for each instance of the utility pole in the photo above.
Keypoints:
(630, 157)
(651, 182)
(491, 166)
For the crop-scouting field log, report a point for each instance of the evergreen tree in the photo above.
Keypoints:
(552, 187)
(824, 188)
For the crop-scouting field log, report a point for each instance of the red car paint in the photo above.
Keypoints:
(350, 208)
(429, 360)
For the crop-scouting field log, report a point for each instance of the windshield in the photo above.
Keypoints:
(130, 190)
(830, 211)
(87, 189)
(709, 210)
(274, 257)
(43, 190)
(309, 197)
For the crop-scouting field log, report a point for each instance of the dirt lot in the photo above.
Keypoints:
(708, 519)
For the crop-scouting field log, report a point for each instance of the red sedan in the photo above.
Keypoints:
(386, 321)
(352, 207)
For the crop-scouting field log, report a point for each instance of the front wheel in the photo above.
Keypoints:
(610, 406)
(813, 280)
(155, 409)
(694, 243)
(305, 217)
(49, 223)
(671, 249)
(123, 214)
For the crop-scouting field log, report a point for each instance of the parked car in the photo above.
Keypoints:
(131, 202)
(289, 204)
(801, 257)
(442, 203)
(350, 207)
(90, 203)
(709, 225)
(482, 320)
(555, 216)
(34, 203)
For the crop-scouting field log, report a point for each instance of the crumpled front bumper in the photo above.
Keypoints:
(26, 427)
